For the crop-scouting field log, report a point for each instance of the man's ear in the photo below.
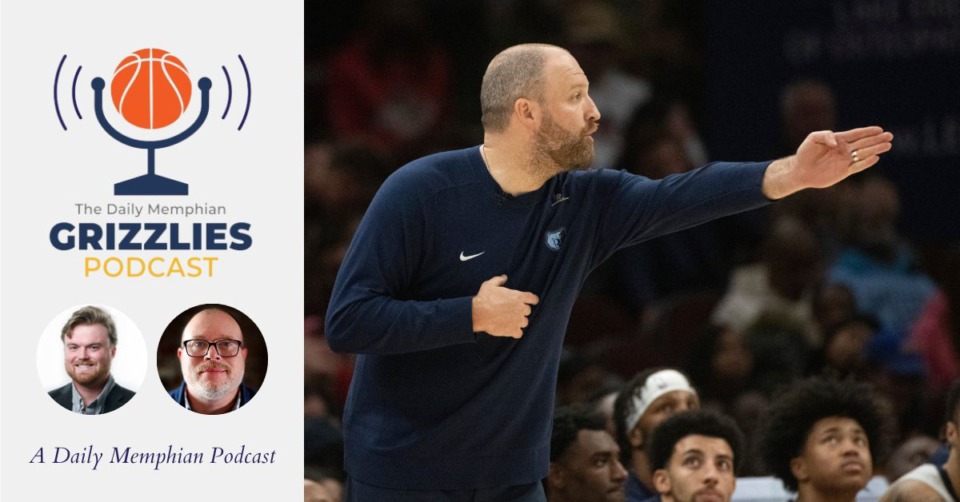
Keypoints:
(799, 468)
(951, 433)
(661, 481)
(636, 437)
(527, 112)
(556, 476)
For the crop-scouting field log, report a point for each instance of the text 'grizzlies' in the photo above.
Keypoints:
(151, 236)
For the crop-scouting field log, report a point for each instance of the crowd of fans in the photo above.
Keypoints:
(823, 283)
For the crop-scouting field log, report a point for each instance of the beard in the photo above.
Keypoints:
(567, 151)
(98, 373)
(210, 390)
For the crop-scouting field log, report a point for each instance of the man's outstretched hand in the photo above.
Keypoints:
(824, 159)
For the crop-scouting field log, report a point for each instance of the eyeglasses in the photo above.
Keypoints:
(199, 348)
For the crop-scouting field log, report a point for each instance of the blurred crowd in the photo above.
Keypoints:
(823, 283)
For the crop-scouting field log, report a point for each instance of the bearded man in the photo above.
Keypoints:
(459, 282)
(89, 345)
(212, 359)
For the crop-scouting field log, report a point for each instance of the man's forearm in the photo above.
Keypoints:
(373, 324)
(777, 181)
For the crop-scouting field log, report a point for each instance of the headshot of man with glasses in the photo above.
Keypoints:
(212, 358)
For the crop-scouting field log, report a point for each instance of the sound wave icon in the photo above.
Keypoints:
(73, 92)
(246, 75)
(76, 78)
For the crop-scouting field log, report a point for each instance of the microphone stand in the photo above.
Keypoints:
(151, 183)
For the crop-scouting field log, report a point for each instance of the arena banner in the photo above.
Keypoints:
(151, 250)
(889, 62)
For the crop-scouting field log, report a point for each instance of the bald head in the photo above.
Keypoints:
(515, 73)
(212, 322)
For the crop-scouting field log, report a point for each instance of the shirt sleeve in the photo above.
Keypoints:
(371, 309)
(640, 209)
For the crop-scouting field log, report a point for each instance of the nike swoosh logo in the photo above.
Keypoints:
(465, 258)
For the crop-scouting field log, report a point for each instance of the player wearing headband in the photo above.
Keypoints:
(645, 402)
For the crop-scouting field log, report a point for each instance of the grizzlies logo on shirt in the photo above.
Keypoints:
(554, 238)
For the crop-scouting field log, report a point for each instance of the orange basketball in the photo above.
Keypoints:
(151, 88)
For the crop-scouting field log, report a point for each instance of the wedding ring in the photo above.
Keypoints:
(855, 156)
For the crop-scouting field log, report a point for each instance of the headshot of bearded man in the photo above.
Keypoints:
(212, 355)
(89, 346)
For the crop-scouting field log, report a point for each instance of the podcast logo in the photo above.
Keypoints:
(150, 100)
(151, 89)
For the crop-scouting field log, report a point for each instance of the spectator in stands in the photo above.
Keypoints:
(879, 268)
(782, 284)
(806, 105)
(936, 331)
(694, 456)
(822, 437)
(910, 454)
(845, 349)
(580, 376)
(392, 85)
(645, 402)
(933, 482)
(584, 459)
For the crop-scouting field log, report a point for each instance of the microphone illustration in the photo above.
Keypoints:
(151, 89)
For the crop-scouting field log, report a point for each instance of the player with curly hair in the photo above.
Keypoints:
(822, 437)
(694, 456)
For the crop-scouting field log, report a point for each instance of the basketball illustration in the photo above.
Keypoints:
(151, 88)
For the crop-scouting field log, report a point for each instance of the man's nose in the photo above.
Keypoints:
(711, 475)
(213, 353)
(619, 473)
(594, 113)
(850, 447)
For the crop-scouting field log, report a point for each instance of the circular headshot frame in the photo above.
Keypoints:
(128, 365)
(169, 367)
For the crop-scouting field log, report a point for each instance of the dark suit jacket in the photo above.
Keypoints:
(118, 397)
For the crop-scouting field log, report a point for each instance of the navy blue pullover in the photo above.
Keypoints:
(435, 406)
